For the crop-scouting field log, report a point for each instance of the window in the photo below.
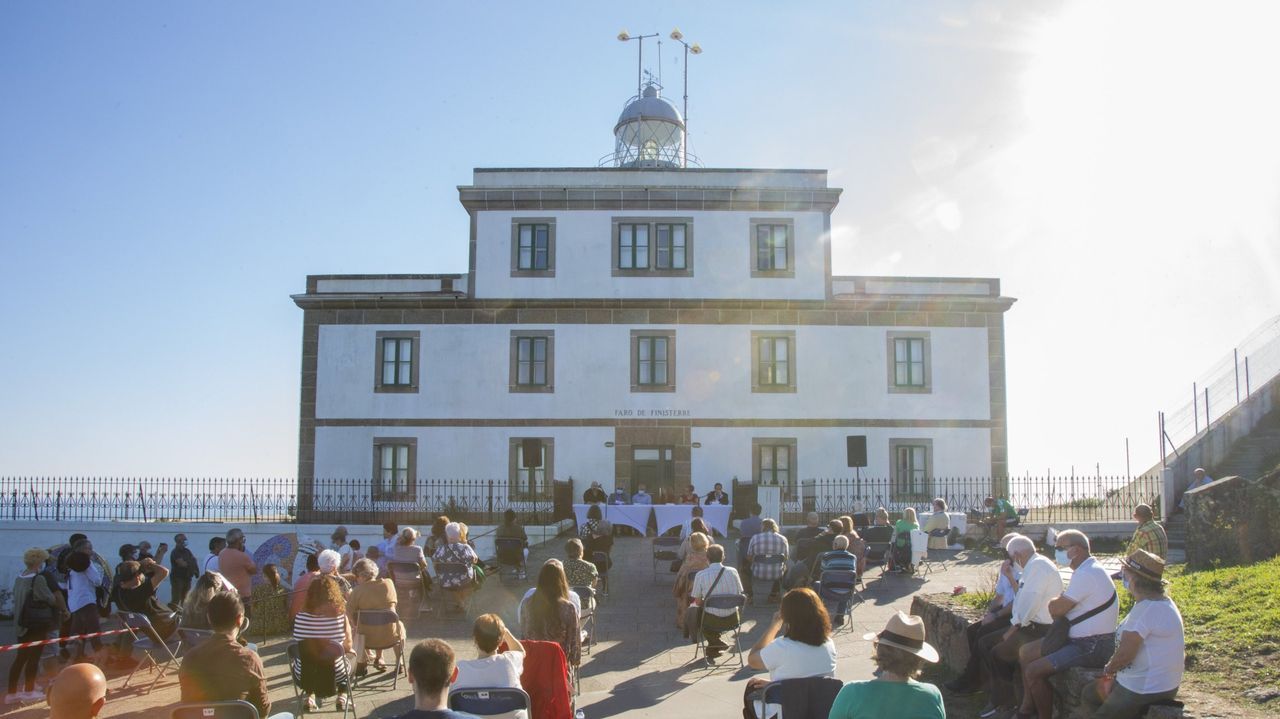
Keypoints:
(912, 468)
(653, 360)
(529, 483)
(653, 246)
(773, 361)
(774, 462)
(773, 252)
(395, 468)
(908, 359)
(532, 361)
(397, 367)
(533, 247)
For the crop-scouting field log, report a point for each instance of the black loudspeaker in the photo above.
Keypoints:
(531, 449)
(857, 448)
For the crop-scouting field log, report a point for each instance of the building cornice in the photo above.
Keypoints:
(662, 199)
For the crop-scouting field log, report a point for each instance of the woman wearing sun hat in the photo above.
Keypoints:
(1150, 647)
(900, 653)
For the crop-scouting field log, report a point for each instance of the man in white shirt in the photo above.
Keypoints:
(491, 669)
(714, 581)
(216, 545)
(1029, 618)
(989, 631)
(1091, 604)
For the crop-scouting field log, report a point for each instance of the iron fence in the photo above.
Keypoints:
(274, 500)
(1046, 499)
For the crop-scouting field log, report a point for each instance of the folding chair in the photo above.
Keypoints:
(722, 601)
(763, 565)
(381, 618)
(587, 596)
(665, 549)
(407, 578)
(838, 587)
(602, 561)
(192, 638)
(145, 638)
(928, 562)
(294, 653)
(879, 545)
(490, 701)
(215, 710)
(813, 697)
(446, 571)
(510, 554)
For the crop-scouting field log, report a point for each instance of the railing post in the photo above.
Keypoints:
(1195, 406)
(142, 500)
(57, 506)
(1206, 409)
(1235, 364)
(491, 501)
(1247, 391)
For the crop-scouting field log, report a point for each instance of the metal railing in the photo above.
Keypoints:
(1070, 498)
(276, 499)
(1230, 381)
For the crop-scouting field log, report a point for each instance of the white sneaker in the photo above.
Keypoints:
(31, 696)
(13, 698)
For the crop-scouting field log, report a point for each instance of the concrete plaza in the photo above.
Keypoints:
(639, 664)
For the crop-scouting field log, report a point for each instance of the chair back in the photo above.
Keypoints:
(806, 698)
(836, 584)
(586, 596)
(404, 572)
(237, 709)
(510, 551)
(192, 638)
(919, 545)
(725, 601)
(939, 532)
(489, 701)
(602, 562)
(546, 679)
(877, 535)
(666, 547)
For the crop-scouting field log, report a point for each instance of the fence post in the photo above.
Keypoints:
(142, 500)
(57, 506)
(1206, 409)
(1195, 406)
(1235, 364)
(1246, 377)
(491, 501)
(253, 503)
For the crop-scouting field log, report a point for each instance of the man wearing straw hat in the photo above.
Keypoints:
(1146, 667)
(900, 653)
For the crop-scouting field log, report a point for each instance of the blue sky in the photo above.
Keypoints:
(170, 173)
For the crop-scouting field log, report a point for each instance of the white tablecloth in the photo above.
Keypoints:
(717, 517)
(959, 521)
(580, 512)
(674, 515)
(635, 516)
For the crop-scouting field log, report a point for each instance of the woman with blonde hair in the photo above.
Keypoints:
(902, 541)
(695, 560)
(37, 609)
(551, 616)
(857, 545)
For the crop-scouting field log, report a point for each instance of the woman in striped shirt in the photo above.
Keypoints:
(322, 630)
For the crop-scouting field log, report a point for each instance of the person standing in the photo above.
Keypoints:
(340, 545)
(387, 547)
(216, 545)
(1149, 536)
(236, 565)
(38, 608)
(183, 571)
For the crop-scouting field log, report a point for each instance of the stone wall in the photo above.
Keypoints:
(1233, 521)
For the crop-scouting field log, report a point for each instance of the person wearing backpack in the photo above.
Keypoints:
(38, 610)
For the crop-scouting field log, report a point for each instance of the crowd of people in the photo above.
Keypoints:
(1036, 625)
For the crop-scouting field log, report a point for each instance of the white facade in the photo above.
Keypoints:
(837, 342)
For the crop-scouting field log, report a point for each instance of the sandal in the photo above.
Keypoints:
(342, 702)
(311, 704)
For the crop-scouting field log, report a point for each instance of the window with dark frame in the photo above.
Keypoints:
(396, 364)
(772, 242)
(774, 361)
(911, 475)
(531, 361)
(908, 362)
(534, 247)
(652, 361)
(652, 246)
(669, 250)
(395, 476)
(775, 465)
(633, 246)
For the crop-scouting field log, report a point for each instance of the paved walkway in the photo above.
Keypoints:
(640, 662)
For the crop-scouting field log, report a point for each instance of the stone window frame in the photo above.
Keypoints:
(516, 270)
(790, 336)
(757, 443)
(415, 361)
(753, 256)
(515, 492)
(897, 481)
(892, 360)
(376, 492)
(652, 270)
(670, 337)
(516, 336)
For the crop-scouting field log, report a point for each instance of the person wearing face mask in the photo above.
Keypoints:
(1029, 620)
(985, 633)
(1150, 651)
(1091, 605)
(184, 569)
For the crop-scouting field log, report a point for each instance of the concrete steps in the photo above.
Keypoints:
(1254, 455)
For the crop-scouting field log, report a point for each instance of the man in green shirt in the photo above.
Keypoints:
(1001, 514)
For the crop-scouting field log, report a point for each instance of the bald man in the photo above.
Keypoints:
(78, 692)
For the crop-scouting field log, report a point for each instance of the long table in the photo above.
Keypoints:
(667, 516)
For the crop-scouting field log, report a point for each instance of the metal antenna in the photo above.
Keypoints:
(624, 37)
(696, 49)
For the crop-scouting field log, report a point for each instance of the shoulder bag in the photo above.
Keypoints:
(36, 615)
(693, 613)
(1060, 631)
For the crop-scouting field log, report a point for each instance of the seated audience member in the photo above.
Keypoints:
(431, 669)
(594, 494)
(1001, 514)
(690, 496)
(300, 587)
(270, 603)
(716, 580)
(1147, 665)
(390, 533)
(371, 592)
(216, 545)
(812, 528)
(695, 560)
(219, 669)
(686, 527)
(437, 538)
(747, 528)
(1198, 479)
(696, 525)
(839, 558)
(768, 542)
(136, 593)
(1092, 640)
(882, 518)
(938, 522)
(804, 650)
(35, 592)
(597, 536)
(78, 692)
(492, 669)
(1149, 536)
(902, 530)
(523, 606)
(985, 633)
(462, 582)
(324, 617)
(717, 495)
(511, 529)
(577, 571)
(857, 545)
(900, 653)
(329, 561)
(641, 496)
(1029, 618)
(357, 553)
(406, 550)
(193, 614)
(551, 615)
